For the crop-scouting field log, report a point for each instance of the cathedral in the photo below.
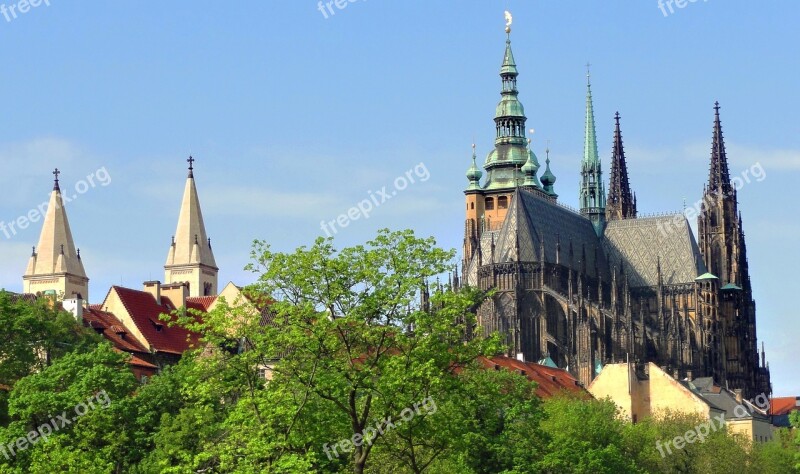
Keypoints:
(579, 289)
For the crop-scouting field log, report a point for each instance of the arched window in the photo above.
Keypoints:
(489, 204)
(502, 202)
(472, 205)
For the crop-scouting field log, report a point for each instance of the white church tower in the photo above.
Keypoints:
(190, 258)
(55, 267)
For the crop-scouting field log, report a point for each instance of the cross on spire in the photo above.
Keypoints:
(55, 185)
(191, 167)
(588, 72)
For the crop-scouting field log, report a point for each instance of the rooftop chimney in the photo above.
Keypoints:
(154, 288)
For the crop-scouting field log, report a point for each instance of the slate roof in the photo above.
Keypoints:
(724, 399)
(535, 219)
(639, 243)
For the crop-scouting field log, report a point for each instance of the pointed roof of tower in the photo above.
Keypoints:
(191, 244)
(718, 177)
(590, 155)
(56, 251)
(509, 66)
(620, 198)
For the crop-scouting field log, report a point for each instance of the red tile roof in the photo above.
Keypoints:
(784, 405)
(201, 303)
(145, 311)
(112, 329)
(549, 381)
(141, 363)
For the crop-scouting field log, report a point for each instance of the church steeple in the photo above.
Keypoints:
(718, 219)
(190, 258)
(620, 204)
(718, 177)
(504, 163)
(55, 266)
(592, 193)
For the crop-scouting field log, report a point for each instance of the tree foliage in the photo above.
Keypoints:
(363, 378)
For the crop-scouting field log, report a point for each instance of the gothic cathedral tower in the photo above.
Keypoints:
(190, 258)
(722, 245)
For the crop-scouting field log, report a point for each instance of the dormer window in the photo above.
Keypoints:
(502, 202)
(489, 204)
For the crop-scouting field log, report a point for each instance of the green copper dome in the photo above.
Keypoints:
(474, 174)
(509, 106)
(530, 168)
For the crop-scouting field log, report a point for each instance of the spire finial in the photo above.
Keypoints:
(191, 166)
(616, 118)
(33, 253)
(56, 172)
(79, 254)
(716, 107)
(509, 20)
(62, 249)
(588, 73)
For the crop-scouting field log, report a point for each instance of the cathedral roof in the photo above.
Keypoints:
(533, 220)
(645, 243)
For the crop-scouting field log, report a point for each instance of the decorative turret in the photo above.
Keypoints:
(548, 178)
(592, 193)
(55, 266)
(530, 168)
(474, 173)
(620, 204)
(190, 258)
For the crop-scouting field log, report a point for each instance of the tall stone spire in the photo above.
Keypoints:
(718, 177)
(504, 163)
(190, 258)
(592, 193)
(620, 204)
(55, 266)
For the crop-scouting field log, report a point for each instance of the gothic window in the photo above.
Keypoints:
(207, 289)
(502, 202)
(489, 204)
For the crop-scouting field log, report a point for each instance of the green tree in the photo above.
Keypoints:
(34, 334)
(78, 397)
(357, 354)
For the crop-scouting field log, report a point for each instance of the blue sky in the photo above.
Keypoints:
(294, 118)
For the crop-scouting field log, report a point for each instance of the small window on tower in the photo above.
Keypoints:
(502, 202)
(489, 204)
(472, 205)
